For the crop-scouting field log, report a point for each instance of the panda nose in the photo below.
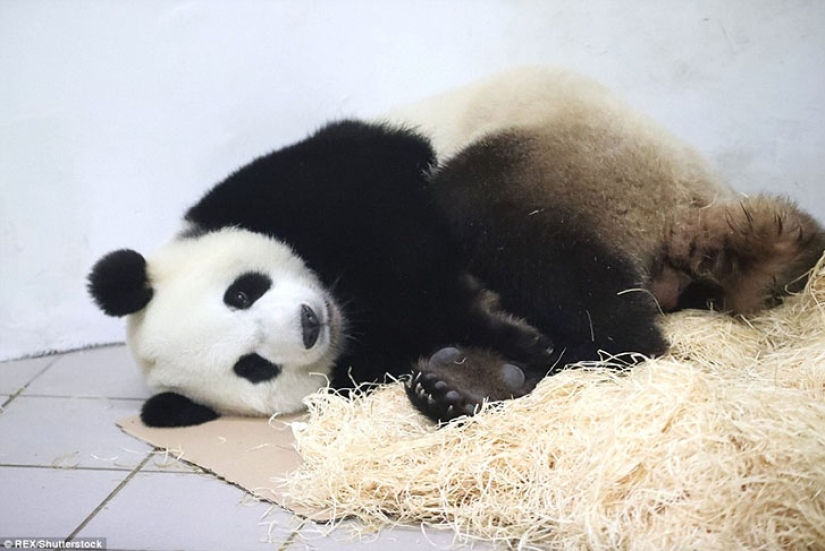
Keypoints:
(310, 326)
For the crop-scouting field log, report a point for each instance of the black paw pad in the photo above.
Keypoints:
(512, 376)
(454, 382)
(431, 394)
(444, 356)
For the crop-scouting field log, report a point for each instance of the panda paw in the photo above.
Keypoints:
(170, 409)
(755, 249)
(455, 382)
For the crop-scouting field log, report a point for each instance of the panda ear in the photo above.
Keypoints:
(118, 283)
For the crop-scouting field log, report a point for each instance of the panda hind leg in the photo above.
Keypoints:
(754, 250)
(455, 381)
(506, 361)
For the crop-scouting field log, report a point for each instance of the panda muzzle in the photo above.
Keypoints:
(310, 326)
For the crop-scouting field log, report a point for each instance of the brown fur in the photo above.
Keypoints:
(754, 249)
(580, 212)
(574, 150)
(624, 192)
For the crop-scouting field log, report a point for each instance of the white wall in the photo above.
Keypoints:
(115, 116)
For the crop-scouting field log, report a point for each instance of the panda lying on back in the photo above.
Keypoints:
(346, 256)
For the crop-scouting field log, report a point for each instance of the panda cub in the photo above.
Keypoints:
(586, 219)
(325, 262)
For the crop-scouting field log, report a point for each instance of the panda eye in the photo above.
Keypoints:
(246, 289)
(240, 300)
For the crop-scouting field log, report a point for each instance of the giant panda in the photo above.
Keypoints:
(564, 202)
(550, 225)
(324, 262)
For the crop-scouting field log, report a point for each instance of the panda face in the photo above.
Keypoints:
(237, 322)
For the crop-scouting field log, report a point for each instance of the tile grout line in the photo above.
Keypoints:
(283, 546)
(85, 397)
(20, 390)
(108, 498)
(71, 468)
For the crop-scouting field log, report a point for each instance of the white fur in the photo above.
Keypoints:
(533, 97)
(187, 340)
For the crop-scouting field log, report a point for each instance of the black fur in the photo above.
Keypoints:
(545, 264)
(173, 410)
(358, 205)
(256, 369)
(118, 283)
(246, 289)
(353, 200)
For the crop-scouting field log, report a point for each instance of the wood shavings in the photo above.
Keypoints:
(720, 444)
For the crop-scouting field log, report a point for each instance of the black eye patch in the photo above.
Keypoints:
(256, 369)
(246, 289)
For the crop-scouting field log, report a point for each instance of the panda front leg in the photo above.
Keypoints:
(455, 380)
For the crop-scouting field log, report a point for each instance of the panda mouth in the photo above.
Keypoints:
(310, 326)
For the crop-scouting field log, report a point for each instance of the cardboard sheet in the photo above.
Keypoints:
(248, 452)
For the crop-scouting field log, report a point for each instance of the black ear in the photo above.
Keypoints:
(387, 145)
(118, 283)
(173, 410)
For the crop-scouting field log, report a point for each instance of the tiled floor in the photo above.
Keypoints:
(66, 471)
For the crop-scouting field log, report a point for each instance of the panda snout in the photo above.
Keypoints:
(310, 326)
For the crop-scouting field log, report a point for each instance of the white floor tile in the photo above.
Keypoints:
(166, 511)
(15, 375)
(167, 505)
(50, 503)
(108, 372)
(317, 537)
(68, 432)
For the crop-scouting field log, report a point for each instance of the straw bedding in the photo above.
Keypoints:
(720, 444)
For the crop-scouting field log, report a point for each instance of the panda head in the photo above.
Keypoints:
(230, 321)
